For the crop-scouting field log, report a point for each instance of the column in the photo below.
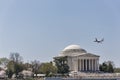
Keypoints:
(79, 64)
(95, 65)
(98, 64)
(83, 65)
(89, 65)
(75, 65)
(92, 65)
(86, 65)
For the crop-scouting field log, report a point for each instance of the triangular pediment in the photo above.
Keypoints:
(89, 55)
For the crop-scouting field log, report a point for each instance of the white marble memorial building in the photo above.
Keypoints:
(79, 59)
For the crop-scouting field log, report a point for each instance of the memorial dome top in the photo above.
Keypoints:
(71, 47)
(73, 50)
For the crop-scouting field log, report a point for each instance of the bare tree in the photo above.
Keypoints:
(15, 57)
(35, 66)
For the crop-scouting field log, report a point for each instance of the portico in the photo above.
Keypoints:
(87, 65)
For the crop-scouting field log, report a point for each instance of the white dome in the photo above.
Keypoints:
(72, 47)
(72, 50)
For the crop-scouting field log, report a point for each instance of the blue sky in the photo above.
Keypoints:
(40, 29)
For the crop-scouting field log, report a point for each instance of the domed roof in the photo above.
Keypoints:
(72, 50)
(72, 47)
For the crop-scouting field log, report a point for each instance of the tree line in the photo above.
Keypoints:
(14, 65)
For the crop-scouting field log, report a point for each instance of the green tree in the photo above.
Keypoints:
(117, 70)
(15, 65)
(107, 67)
(104, 67)
(61, 63)
(48, 68)
(4, 61)
(110, 68)
(10, 70)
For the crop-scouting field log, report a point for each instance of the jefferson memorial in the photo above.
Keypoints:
(84, 65)
(79, 60)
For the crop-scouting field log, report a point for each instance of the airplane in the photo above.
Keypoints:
(99, 41)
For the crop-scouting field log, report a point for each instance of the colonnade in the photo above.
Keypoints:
(87, 65)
